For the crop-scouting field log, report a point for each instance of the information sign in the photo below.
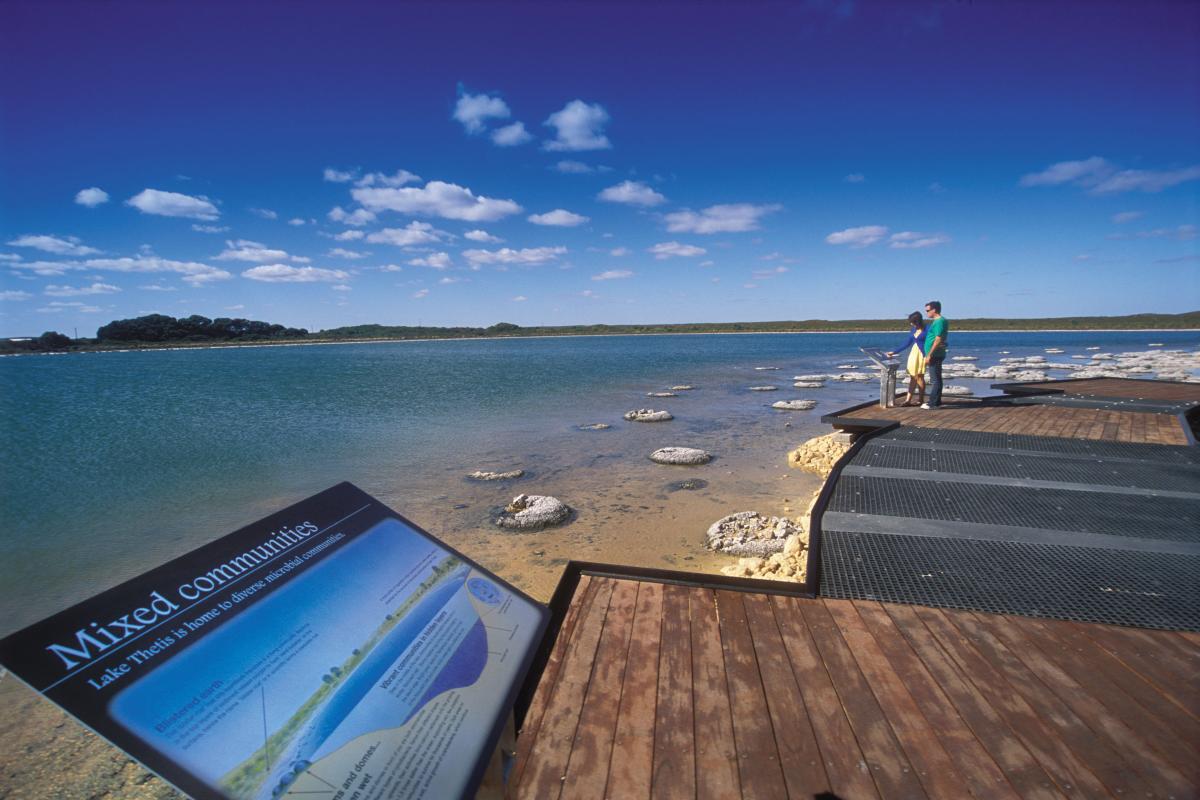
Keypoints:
(332, 651)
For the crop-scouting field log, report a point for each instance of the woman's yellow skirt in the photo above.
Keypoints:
(916, 362)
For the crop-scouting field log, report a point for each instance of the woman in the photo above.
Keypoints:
(916, 359)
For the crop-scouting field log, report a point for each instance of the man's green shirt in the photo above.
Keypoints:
(939, 327)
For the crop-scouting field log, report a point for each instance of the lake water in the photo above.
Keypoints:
(116, 462)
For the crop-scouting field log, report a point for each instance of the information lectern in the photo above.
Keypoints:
(887, 375)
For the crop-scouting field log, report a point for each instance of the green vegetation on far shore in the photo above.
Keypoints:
(157, 330)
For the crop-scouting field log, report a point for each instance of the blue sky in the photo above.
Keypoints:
(330, 164)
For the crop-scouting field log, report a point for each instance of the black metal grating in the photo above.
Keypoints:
(1150, 475)
(1118, 587)
(1169, 518)
(1180, 454)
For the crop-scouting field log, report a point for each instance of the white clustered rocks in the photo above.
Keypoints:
(789, 564)
(682, 388)
(528, 512)
(957, 391)
(809, 385)
(486, 475)
(794, 405)
(661, 394)
(764, 388)
(648, 415)
(748, 533)
(680, 455)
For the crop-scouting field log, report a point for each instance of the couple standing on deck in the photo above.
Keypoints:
(928, 343)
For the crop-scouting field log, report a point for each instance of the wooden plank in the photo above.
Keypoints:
(892, 771)
(1155, 772)
(920, 741)
(993, 733)
(584, 590)
(551, 749)
(716, 755)
(587, 767)
(835, 737)
(983, 777)
(758, 757)
(1153, 719)
(1072, 776)
(674, 740)
(799, 754)
(1172, 673)
(1102, 759)
(632, 764)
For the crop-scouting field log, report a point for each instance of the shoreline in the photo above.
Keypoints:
(236, 345)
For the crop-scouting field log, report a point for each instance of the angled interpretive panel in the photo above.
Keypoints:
(332, 650)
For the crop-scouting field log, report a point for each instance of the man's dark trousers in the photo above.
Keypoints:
(935, 381)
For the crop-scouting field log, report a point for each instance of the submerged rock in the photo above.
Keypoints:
(648, 415)
(683, 388)
(486, 475)
(764, 388)
(528, 512)
(661, 394)
(748, 533)
(688, 485)
(680, 455)
(595, 426)
(765, 369)
(809, 385)
(820, 376)
(794, 405)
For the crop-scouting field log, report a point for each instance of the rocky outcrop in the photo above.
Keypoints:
(680, 455)
(485, 475)
(809, 385)
(648, 415)
(794, 405)
(819, 455)
(748, 533)
(682, 388)
(789, 564)
(531, 512)
(764, 388)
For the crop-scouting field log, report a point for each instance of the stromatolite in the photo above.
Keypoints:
(486, 475)
(528, 512)
(648, 415)
(680, 455)
(794, 405)
(748, 533)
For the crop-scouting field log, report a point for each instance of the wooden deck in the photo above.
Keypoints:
(1122, 388)
(657, 690)
(1047, 420)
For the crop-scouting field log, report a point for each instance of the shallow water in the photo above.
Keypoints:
(115, 462)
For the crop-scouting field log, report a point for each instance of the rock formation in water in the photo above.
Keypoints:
(530, 512)
(486, 475)
(794, 405)
(680, 455)
(748, 533)
(648, 415)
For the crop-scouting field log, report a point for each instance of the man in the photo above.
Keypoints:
(936, 334)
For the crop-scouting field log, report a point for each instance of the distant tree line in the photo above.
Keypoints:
(161, 328)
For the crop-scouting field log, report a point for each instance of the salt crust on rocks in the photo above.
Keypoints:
(748, 533)
(794, 405)
(486, 475)
(528, 512)
(648, 415)
(680, 455)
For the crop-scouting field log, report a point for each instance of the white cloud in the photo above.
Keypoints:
(559, 217)
(437, 199)
(390, 268)
(173, 204)
(520, 298)
(749, 285)
(399, 178)
(411, 234)
(285, 273)
(633, 193)
(357, 218)
(579, 126)
(91, 197)
(1087, 170)
(434, 260)
(340, 287)
(449, 280)
(210, 228)
(573, 167)
(728, 218)
(506, 255)
(56, 307)
(296, 221)
(1145, 180)
(473, 110)
(47, 268)
(238, 307)
(855, 177)
(1127, 216)
(1183, 233)
(156, 287)
(482, 236)
(265, 213)
(348, 236)
(340, 252)
(619, 251)
(765, 274)
(613, 274)
(664, 250)
(72, 291)
(858, 237)
(244, 250)
(417, 295)
(70, 246)
(911, 240)
(511, 135)
(14, 295)
(9, 257)
(193, 272)
(340, 176)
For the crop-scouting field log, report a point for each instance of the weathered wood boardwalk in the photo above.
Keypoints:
(659, 690)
